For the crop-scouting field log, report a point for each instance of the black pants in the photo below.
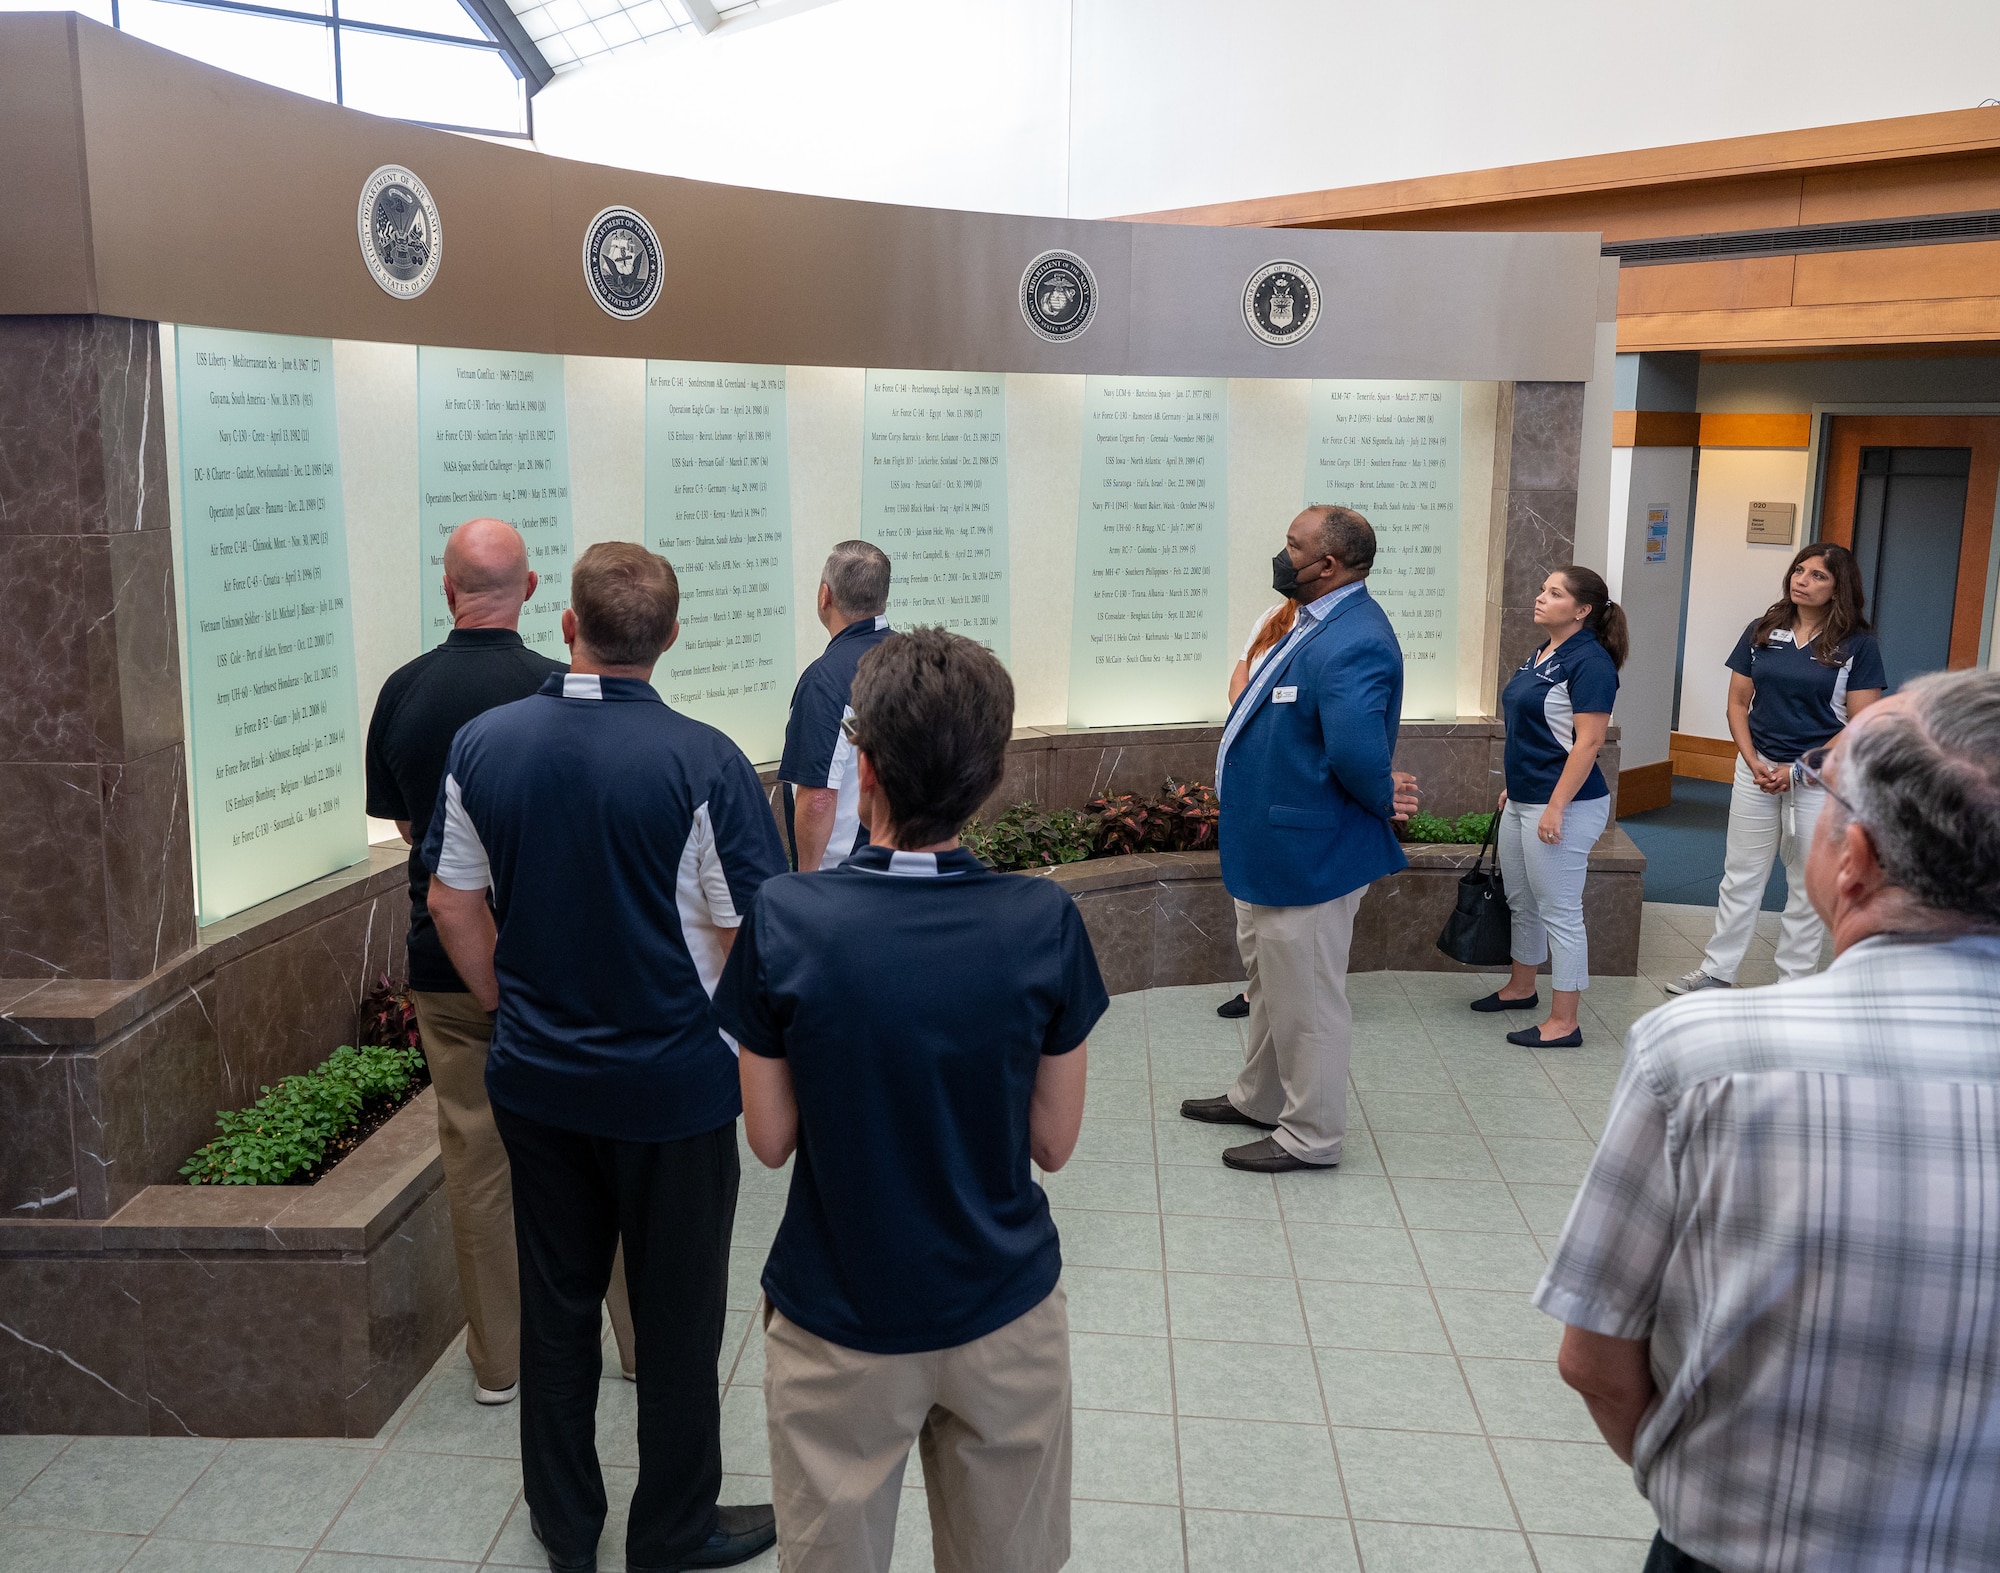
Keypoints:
(1666, 1557)
(674, 1204)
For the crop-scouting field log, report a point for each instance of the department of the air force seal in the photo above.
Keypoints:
(401, 239)
(1058, 296)
(1281, 303)
(621, 263)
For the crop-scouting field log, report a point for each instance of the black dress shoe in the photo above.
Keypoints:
(1531, 1038)
(1234, 1010)
(1219, 1111)
(560, 1564)
(740, 1534)
(1267, 1157)
(1494, 1002)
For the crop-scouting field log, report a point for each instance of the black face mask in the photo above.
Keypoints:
(1284, 577)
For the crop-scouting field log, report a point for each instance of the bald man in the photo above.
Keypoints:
(482, 664)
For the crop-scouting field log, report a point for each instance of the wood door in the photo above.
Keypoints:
(1980, 433)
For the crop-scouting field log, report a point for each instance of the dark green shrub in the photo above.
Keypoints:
(289, 1129)
(1467, 829)
(1026, 836)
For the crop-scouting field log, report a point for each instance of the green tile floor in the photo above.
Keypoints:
(1321, 1371)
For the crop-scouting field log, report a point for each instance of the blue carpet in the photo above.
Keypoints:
(1684, 844)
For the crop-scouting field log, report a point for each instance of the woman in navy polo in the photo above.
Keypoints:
(1556, 804)
(1797, 676)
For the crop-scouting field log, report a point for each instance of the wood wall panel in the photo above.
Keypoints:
(1952, 185)
(1756, 431)
(1705, 286)
(1900, 273)
(1814, 327)
(1980, 433)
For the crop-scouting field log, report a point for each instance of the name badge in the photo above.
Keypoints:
(1285, 696)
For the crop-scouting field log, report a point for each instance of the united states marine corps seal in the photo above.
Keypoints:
(621, 263)
(1281, 303)
(401, 239)
(1058, 296)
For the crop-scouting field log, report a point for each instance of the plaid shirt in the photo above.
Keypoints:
(1797, 1200)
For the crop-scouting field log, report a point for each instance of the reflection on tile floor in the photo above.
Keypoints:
(1325, 1371)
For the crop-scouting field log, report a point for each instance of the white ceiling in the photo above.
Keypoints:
(571, 33)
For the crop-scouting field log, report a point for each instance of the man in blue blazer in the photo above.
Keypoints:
(1308, 801)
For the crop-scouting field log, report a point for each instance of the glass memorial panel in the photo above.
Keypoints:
(1390, 451)
(934, 497)
(274, 737)
(1149, 639)
(718, 507)
(493, 441)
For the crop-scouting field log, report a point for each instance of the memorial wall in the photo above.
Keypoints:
(1137, 514)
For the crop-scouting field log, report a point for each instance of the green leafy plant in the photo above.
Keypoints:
(1026, 836)
(1467, 829)
(389, 1017)
(289, 1129)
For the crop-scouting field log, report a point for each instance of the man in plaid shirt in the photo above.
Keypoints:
(1781, 1277)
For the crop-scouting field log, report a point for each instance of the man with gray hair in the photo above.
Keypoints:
(822, 804)
(1779, 1277)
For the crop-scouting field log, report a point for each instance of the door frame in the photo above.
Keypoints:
(1841, 432)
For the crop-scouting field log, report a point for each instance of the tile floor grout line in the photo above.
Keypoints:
(1167, 1307)
(1458, 1360)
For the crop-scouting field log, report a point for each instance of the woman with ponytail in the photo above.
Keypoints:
(1798, 675)
(1556, 805)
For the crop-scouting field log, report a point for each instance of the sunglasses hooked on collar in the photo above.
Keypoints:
(850, 728)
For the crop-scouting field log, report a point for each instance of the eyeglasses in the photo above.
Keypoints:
(1808, 770)
(850, 728)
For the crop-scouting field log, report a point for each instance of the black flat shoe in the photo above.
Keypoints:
(1234, 1010)
(1219, 1111)
(740, 1534)
(560, 1564)
(1494, 1002)
(1531, 1038)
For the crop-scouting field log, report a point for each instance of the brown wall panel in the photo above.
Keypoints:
(1705, 286)
(1756, 431)
(1901, 273)
(1963, 184)
(1814, 327)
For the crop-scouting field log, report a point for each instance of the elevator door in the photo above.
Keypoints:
(1909, 523)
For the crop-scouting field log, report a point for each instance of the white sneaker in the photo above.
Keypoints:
(1694, 982)
(495, 1396)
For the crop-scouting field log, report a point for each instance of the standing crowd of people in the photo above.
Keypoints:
(1777, 1280)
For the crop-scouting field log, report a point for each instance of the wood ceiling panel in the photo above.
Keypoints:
(1903, 273)
(1705, 286)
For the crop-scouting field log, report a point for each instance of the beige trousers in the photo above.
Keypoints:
(456, 1032)
(1301, 1026)
(991, 1418)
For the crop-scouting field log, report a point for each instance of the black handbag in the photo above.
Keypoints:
(1480, 930)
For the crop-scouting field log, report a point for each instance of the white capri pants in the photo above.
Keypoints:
(1763, 827)
(1545, 886)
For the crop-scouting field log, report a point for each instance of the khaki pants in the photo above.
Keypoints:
(1301, 1026)
(991, 1418)
(476, 1178)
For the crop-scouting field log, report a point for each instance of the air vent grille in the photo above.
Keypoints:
(1939, 229)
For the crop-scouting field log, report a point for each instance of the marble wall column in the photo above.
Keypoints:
(1541, 449)
(96, 880)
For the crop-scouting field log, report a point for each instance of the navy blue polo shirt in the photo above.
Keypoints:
(1800, 702)
(620, 838)
(817, 753)
(1540, 705)
(913, 995)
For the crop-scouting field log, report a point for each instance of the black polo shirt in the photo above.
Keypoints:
(417, 714)
(817, 752)
(913, 995)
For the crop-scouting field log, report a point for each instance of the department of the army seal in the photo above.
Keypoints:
(1058, 296)
(402, 240)
(1281, 303)
(621, 263)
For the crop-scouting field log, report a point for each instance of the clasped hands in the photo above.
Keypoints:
(1772, 779)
